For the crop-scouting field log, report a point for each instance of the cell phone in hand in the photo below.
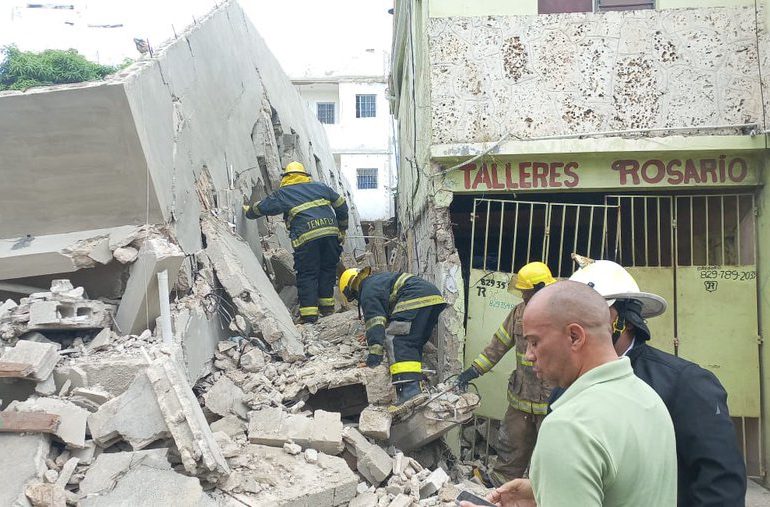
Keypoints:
(465, 496)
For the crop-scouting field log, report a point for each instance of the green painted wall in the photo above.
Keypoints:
(763, 277)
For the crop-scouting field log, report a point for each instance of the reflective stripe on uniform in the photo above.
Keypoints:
(530, 407)
(520, 359)
(397, 287)
(306, 205)
(483, 363)
(307, 311)
(326, 301)
(377, 349)
(376, 321)
(406, 367)
(315, 234)
(339, 202)
(421, 302)
(503, 337)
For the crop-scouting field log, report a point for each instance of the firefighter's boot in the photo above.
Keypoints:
(409, 395)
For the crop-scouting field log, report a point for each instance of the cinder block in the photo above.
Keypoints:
(375, 423)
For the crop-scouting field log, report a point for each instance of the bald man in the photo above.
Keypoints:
(609, 440)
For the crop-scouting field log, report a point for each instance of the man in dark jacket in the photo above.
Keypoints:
(317, 218)
(400, 310)
(710, 466)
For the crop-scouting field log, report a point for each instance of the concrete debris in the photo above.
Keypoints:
(196, 333)
(311, 455)
(229, 448)
(425, 426)
(230, 425)
(375, 422)
(292, 448)
(282, 267)
(274, 427)
(138, 478)
(365, 499)
(46, 495)
(284, 480)
(254, 296)
(56, 315)
(66, 472)
(102, 340)
(140, 305)
(47, 387)
(72, 428)
(401, 500)
(197, 447)
(433, 483)
(42, 358)
(226, 398)
(16, 472)
(373, 463)
(114, 373)
(125, 254)
(133, 417)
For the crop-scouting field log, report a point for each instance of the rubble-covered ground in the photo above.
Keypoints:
(235, 405)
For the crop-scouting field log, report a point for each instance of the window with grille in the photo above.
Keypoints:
(561, 6)
(325, 112)
(366, 106)
(366, 178)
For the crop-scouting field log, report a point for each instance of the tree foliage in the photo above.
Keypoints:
(20, 70)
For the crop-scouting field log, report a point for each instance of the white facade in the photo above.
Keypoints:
(361, 145)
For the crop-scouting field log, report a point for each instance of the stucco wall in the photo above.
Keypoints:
(570, 73)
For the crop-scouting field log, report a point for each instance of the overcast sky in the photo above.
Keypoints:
(303, 34)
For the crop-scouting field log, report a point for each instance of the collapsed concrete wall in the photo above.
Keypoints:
(211, 104)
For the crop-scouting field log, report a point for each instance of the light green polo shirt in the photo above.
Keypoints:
(609, 441)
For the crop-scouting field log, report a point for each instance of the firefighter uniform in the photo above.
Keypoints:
(527, 398)
(401, 297)
(317, 218)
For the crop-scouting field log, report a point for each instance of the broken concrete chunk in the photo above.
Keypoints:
(229, 448)
(86, 454)
(41, 356)
(112, 375)
(46, 495)
(140, 305)
(433, 483)
(60, 285)
(101, 341)
(134, 416)
(72, 428)
(379, 390)
(125, 254)
(102, 474)
(253, 360)
(66, 472)
(16, 472)
(272, 426)
(375, 423)
(242, 276)
(401, 501)
(198, 450)
(374, 464)
(46, 387)
(356, 443)
(292, 448)
(82, 314)
(139, 480)
(365, 499)
(226, 398)
(231, 425)
(311, 455)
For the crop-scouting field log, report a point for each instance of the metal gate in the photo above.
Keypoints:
(697, 251)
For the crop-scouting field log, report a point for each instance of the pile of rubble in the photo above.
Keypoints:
(238, 406)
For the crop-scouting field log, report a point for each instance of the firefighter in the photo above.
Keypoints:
(317, 218)
(710, 465)
(400, 310)
(527, 394)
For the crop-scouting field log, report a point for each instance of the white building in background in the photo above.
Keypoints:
(354, 110)
(339, 59)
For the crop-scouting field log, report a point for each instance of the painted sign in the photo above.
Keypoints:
(623, 171)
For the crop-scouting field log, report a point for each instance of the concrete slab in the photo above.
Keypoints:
(231, 425)
(375, 422)
(194, 440)
(243, 278)
(140, 305)
(72, 428)
(56, 253)
(197, 334)
(271, 426)
(289, 480)
(114, 375)
(134, 416)
(419, 430)
(42, 356)
(224, 398)
(102, 474)
(16, 472)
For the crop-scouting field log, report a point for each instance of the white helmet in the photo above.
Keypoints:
(613, 282)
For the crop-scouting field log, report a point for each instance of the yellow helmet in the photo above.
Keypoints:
(350, 281)
(294, 168)
(532, 274)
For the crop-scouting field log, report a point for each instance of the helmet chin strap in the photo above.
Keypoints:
(618, 326)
